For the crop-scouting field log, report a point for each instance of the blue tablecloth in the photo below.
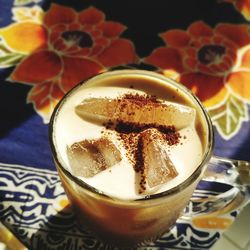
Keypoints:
(47, 47)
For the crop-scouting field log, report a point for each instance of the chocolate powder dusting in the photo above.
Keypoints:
(129, 133)
(139, 165)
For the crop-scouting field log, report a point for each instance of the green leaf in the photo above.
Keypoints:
(24, 2)
(229, 116)
(3, 48)
(11, 59)
(8, 58)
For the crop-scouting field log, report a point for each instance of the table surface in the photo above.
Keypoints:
(47, 47)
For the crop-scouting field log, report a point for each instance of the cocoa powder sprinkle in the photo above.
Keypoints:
(129, 132)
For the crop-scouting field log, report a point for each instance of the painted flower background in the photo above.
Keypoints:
(60, 48)
(214, 64)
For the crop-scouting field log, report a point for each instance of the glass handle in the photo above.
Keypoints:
(235, 173)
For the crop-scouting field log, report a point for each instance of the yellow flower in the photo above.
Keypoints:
(24, 37)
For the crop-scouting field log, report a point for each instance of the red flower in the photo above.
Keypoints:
(74, 46)
(211, 62)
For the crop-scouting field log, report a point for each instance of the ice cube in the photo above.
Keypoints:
(158, 167)
(89, 157)
(97, 109)
(137, 109)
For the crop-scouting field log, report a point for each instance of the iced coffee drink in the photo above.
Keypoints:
(130, 147)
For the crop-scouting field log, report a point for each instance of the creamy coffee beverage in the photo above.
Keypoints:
(131, 144)
(120, 116)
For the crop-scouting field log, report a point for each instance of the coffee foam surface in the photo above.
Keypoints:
(120, 180)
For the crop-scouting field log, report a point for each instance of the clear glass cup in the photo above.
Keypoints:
(128, 223)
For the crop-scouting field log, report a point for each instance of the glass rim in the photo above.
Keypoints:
(181, 186)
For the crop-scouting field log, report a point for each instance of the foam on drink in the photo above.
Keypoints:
(75, 126)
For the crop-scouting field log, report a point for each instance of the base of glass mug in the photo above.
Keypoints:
(121, 244)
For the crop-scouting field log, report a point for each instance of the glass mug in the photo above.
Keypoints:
(128, 223)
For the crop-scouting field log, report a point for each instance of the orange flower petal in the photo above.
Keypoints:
(166, 58)
(244, 7)
(199, 28)
(120, 51)
(171, 74)
(209, 89)
(218, 39)
(96, 50)
(230, 61)
(24, 37)
(232, 53)
(204, 68)
(95, 33)
(205, 40)
(76, 51)
(78, 69)
(210, 222)
(217, 69)
(191, 51)
(56, 32)
(54, 37)
(74, 26)
(111, 29)
(246, 59)
(102, 41)
(37, 67)
(224, 66)
(89, 28)
(56, 91)
(59, 28)
(246, 12)
(44, 103)
(238, 33)
(175, 38)
(91, 16)
(239, 82)
(196, 44)
(191, 63)
(41, 92)
(58, 14)
(230, 44)
(59, 44)
(38, 94)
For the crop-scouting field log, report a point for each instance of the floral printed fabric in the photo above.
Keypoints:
(69, 47)
(61, 46)
(214, 64)
(47, 47)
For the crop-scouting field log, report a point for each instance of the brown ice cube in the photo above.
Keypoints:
(89, 157)
(99, 109)
(158, 167)
(137, 109)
